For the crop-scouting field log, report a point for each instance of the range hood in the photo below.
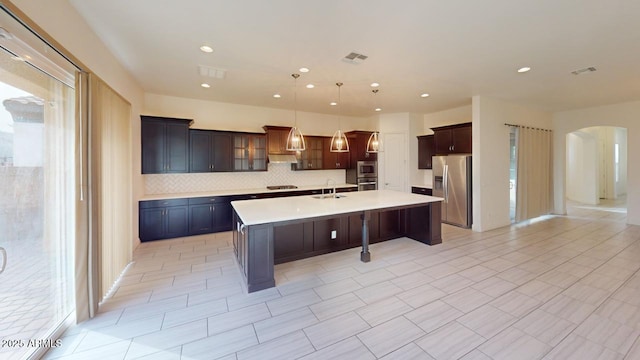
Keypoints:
(282, 159)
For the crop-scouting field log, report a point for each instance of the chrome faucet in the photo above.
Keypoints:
(332, 182)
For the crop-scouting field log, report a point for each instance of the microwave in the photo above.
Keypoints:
(367, 169)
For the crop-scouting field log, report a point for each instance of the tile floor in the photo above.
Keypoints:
(558, 288)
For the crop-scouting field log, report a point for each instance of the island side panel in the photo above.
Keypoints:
(253, 247)
(424, 223)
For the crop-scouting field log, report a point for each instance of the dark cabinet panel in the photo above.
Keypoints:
(210, 214)
(391, 224)
(461, 140)
(311, 158)
(165, 143)
(200, 219)
(152, 224)
(209, 151)
(425, 151)
(162, 222)
(277, 139)
(453, 139)
(329, 233)
(292, 241)
(421, 190)
(333, 160)
(358, 147)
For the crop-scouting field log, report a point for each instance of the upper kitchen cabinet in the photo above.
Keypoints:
(249, 152)
(425, 151)
(333, 160)
(165, 145)
(277, 139)
(311, 158)
(452, 139)
(358, 147)
(210, 151)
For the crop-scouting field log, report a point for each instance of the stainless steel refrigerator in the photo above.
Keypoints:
(452, 181)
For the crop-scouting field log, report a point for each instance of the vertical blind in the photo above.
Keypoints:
(534, 189)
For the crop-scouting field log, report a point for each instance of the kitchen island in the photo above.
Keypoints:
(267, 231)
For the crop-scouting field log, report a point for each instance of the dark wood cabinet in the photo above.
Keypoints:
(209, 214)
(165, 145)
(330, 233)
(311, 158)
(210, 151)
(163, 219)
(249, 152)
(333, 160)
(358, 147)
(425, 151)
(421, 190)
(453, 139)
(277, 139)
(292, 241)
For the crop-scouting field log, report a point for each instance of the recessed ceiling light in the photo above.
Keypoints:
(378, 109)
(524, 69)
(303, 70)
(207, 49)
(424, 95)
(205, 85)
(375, 84)
(277, 96)
(333, 103)
(310, 86)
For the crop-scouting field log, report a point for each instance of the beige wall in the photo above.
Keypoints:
(625, 115)
(491, 157)
(61, 21)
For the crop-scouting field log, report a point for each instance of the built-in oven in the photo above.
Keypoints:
(367, 184)
(367, 169)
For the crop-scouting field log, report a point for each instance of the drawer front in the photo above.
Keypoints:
(421, 190)
(208, 200)
(163, 203)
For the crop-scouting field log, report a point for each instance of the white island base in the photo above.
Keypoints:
(271, 231)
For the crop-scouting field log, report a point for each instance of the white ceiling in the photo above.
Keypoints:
(451, 49)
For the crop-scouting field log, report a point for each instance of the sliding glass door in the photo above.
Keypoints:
(37, 200)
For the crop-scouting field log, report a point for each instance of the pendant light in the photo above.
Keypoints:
(339, 142)
(373, 145)
(295, 139)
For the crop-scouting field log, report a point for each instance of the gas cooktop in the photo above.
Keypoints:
(281, 187)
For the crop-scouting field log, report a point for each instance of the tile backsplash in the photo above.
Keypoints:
(277, 174)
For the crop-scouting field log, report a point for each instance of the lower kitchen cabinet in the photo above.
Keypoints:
(208, 215)
(163, 219)
(421, 190)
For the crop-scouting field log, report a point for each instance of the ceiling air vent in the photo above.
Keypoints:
(211, 72)
(355, 58)
(580, 71)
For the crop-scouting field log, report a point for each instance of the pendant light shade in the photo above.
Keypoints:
(373, 145)
(295, 139)
(339, 142)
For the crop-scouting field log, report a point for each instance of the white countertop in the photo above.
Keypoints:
(234, 192)
(262, 211)
(426, 186)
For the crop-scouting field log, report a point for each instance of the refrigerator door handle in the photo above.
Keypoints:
(445, 185)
